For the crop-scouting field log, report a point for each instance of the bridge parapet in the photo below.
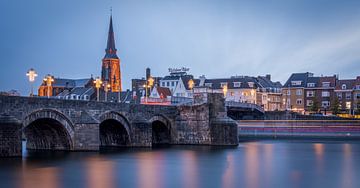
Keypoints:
(87, 125)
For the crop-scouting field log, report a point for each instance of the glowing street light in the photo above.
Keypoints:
(48, 80)
(31, 74)
(191, 83)
(106, 89)
(97, 83)
(225, 90)
(148, 84)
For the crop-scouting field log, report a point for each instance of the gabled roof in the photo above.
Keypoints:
(164, 91)
(350, 84)
(303, 77)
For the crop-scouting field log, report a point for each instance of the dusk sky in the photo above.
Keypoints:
(213, 38)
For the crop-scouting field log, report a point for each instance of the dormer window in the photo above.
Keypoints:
(343, 86)
(296, 83)
(326, 84)
(223, 84)
(237, 84)
(251, 84)
(311, 84)
(208, 84)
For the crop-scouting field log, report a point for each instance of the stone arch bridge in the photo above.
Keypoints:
(53, 124)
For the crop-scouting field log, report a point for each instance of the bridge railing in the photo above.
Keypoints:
(244, 105)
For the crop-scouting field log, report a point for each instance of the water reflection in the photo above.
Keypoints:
(189, 169)
(100, 172)
(253, 164)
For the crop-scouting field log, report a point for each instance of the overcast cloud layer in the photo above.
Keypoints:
(214, 38)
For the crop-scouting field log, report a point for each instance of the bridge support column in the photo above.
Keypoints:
(141, 133)
(87, 137)
(10, 137)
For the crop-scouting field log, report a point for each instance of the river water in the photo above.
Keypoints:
(252, 164)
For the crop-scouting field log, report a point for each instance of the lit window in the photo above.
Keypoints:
(223, 84)
(348, 105)
(251, 84)
(339, 95)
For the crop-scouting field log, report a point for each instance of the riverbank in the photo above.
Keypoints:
(299, 129)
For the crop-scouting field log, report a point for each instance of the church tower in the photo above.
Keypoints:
(110, 72)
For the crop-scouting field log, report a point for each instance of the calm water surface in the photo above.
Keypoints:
(251, 164)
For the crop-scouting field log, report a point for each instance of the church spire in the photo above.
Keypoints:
(110, 47)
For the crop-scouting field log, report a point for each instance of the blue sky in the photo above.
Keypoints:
(216, 38)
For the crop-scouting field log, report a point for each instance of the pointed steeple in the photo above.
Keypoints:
(110, 47)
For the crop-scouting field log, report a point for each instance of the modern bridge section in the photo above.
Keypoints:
(239, 111)
(53, 124)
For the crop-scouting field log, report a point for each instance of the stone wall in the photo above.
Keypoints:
(10, 136)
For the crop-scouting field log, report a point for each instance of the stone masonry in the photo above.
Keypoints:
(76, 125)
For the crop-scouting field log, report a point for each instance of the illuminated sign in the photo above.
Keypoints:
(177, 70)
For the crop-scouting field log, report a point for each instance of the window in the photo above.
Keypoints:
(311, 84)
(237, 84)
(163, 84)
(173, 83)
(357, 87)
(251, 84)
(310, 93)
(348, 95)
(343, 86)
(326, 84)
(296, 83)
(325, 94)
(298, 92)
(167, 84)
(208, 84)
(325, 104)
(348, 105)
(223, 84)
(358, 95)
(298, 101)
(309, 103)
(339, 95)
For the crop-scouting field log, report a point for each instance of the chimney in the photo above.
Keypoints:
(148, 74)
(268, 76)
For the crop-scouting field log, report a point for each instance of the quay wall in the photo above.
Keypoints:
(317, 129)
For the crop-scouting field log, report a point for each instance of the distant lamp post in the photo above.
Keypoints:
(225, 90)
(148, 84)
(191, 84)
(48, 80)
(106, 89)
(97, 83)
(31, 74)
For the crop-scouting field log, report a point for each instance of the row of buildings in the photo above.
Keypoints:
(302, 92)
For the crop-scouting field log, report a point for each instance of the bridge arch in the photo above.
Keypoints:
(48, 129)
(114, 129)
(161, 130)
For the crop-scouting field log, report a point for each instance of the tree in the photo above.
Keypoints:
(335, 106)
(315, 106)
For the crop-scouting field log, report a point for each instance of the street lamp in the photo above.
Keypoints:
(191, 84)
(31, 74)
(148, 84)
(48, 80)
(97, 83)
(106, 89)
(225, 90)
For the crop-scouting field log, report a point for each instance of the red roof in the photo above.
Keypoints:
(163, 91)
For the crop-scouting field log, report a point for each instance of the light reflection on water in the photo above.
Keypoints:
(252, 165)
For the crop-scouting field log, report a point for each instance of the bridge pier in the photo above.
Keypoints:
(10, 136)
(87, 137)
